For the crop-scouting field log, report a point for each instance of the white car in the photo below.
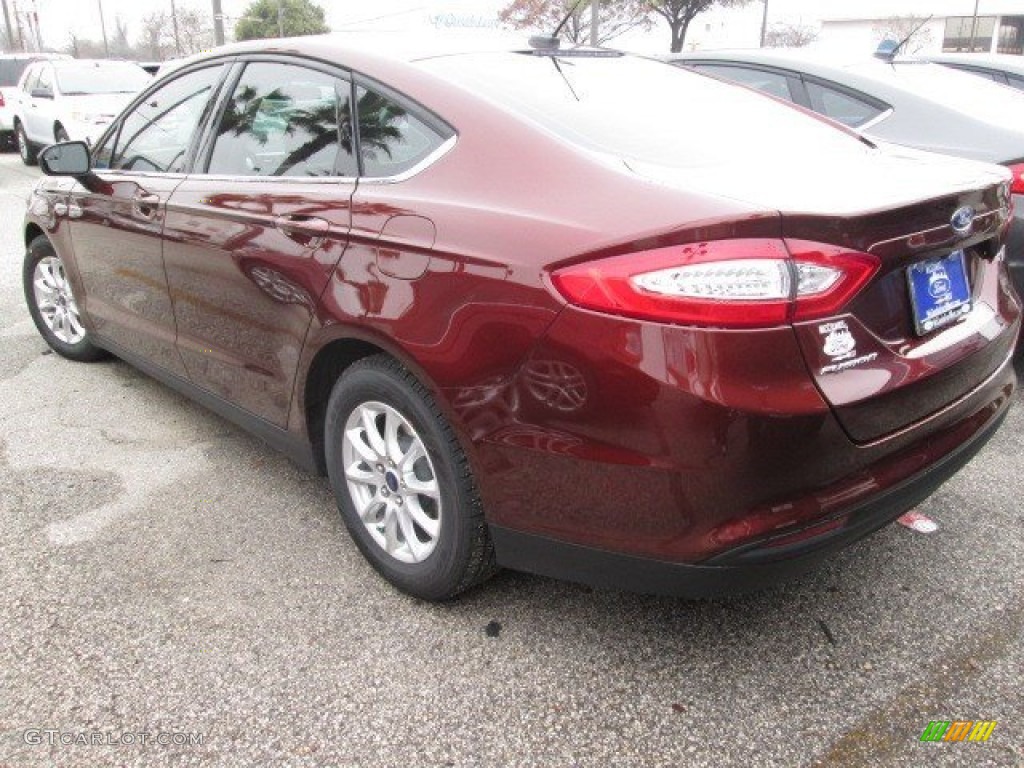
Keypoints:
(12, 65)
(72, 100)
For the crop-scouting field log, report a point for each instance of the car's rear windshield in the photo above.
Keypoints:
(87, 79)
(10, 71)
(639, 109)
(974, 96)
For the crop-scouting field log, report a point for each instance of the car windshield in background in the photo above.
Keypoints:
(10, 71)
(637, 109)
(92, 79)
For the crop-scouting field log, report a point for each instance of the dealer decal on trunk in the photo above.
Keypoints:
(841, 347)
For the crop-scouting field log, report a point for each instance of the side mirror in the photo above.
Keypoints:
(68, 159)
(42, 93)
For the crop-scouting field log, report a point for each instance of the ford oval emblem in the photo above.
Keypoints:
(963, 220)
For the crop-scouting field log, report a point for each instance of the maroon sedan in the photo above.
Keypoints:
(571, 312)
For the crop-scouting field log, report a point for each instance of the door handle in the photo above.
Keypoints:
(145, 204)
(307, 231)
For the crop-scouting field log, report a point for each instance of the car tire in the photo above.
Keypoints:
(25, 149)
(52, 304)
(403, 484)
(60, 135)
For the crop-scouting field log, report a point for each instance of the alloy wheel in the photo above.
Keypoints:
(392, 482)
(56, 302)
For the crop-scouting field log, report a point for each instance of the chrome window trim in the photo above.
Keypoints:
(422, 165)
(425, 163)
(875, 120)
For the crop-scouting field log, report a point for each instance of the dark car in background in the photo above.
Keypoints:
(571, 312)
(908, 102)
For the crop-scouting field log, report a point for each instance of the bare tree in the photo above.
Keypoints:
(678, 14)
(616, 17)
(120, 45)
(789, 36)
(154, 31)
(900, 28)
(195, 30)
(156, 40)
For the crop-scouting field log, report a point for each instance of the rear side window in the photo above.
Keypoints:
(392, 140)
(11, 70)
(286, 120)
(772, 83)
(156, 135)
(841, 106)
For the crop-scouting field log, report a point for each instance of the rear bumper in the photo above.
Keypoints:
(755, 564)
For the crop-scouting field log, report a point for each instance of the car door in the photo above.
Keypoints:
(39, 107)
(117, 223)
(253, 235)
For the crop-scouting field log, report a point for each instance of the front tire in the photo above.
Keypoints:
(25, 149)
(52, 304)
(403, 483)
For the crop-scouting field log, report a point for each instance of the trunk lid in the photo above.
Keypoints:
(878, 368)
(878, 371)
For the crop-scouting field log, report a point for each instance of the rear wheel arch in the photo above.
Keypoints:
(326, 368)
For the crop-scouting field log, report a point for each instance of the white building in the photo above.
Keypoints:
(999, 27)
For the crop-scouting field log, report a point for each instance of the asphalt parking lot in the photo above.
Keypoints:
(165, 575)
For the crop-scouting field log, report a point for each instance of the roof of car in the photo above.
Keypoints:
(1003, 62)
(384, 46)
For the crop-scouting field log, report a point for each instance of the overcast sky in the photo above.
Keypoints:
(59, 17)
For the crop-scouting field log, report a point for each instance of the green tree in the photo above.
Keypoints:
(268, 18)
(679, 13)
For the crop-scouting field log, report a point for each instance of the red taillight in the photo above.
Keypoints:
(2, 99)
(1017, 185)
(723, 283)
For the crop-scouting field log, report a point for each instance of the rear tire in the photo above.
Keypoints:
(25, 149)
(60, 134)
(52, 304)
(403, 483)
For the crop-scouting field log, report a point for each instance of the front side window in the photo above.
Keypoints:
(286, 120)
(156, 135)
(392, 140)
(841, 106)
(45, 82)
(31, 78)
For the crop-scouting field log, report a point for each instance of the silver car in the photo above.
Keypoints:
(12, 65)
(909, 102)
(1001, 68)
